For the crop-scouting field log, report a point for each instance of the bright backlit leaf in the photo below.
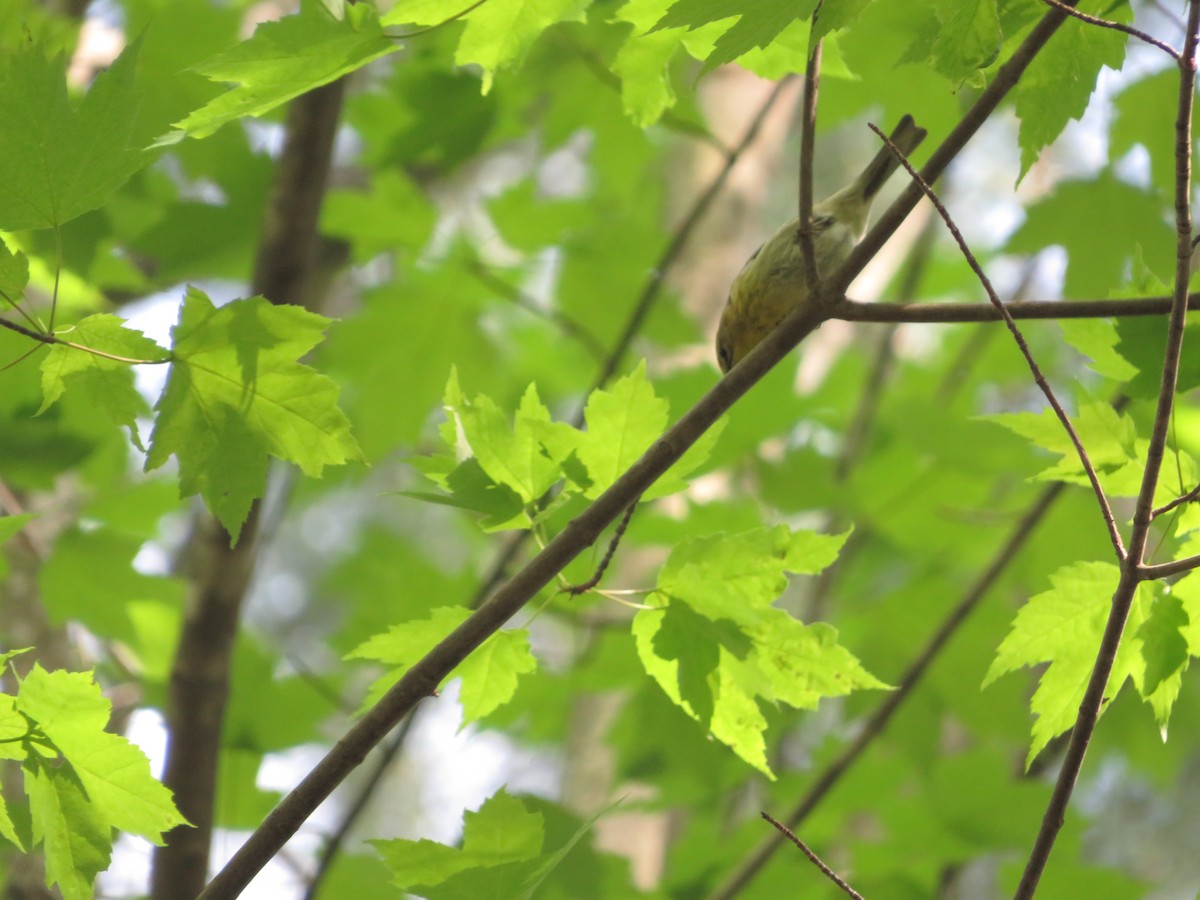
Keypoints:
(1062, 627)
(236, 394)
(286, 58)
(59, 160)
(719, 649)
(489, 675)
(101, 365)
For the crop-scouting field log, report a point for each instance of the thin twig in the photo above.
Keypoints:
(1132, 570)
(20, 310)
(1110, 521)
(569, 326)
(1167, 569)
(29, 332)
(816, 860)
(576, 589)
(1178, 501)
(1116, 26)
(1021, 533)
(931, 313)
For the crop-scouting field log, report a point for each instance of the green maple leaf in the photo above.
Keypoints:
(498, 33)
(501, 470)
(108, 382)
(58, 161)
(622, 422)
(957, 38)
(113, 773)
(285, 59)
(1059, 82)
(1108, 436)
(717, 647)
(74, 834)
(837, 14)
(503, 854)
(489, 675)
(509, 455)
(759, 22)
(1097, 339)
(501, 832)
(237, 394)
(507, 471)
(1063, 627)
(14, 273)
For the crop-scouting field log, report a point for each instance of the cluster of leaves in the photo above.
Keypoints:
(155, 178)
(236, 392)
(80, 781)
(710, 636)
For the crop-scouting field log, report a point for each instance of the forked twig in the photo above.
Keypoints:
(1178, 501)
(1106, 511)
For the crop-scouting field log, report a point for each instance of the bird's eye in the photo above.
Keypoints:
(725, 358)
(820, 223)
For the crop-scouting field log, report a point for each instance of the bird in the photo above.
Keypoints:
(772, 283)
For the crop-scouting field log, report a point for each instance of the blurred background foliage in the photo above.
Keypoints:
(509, 233)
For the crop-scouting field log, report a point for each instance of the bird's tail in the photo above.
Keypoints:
(907, 136)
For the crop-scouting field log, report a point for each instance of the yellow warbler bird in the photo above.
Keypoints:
(772, 283)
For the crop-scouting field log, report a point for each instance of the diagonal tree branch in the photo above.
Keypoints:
(358, 805)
